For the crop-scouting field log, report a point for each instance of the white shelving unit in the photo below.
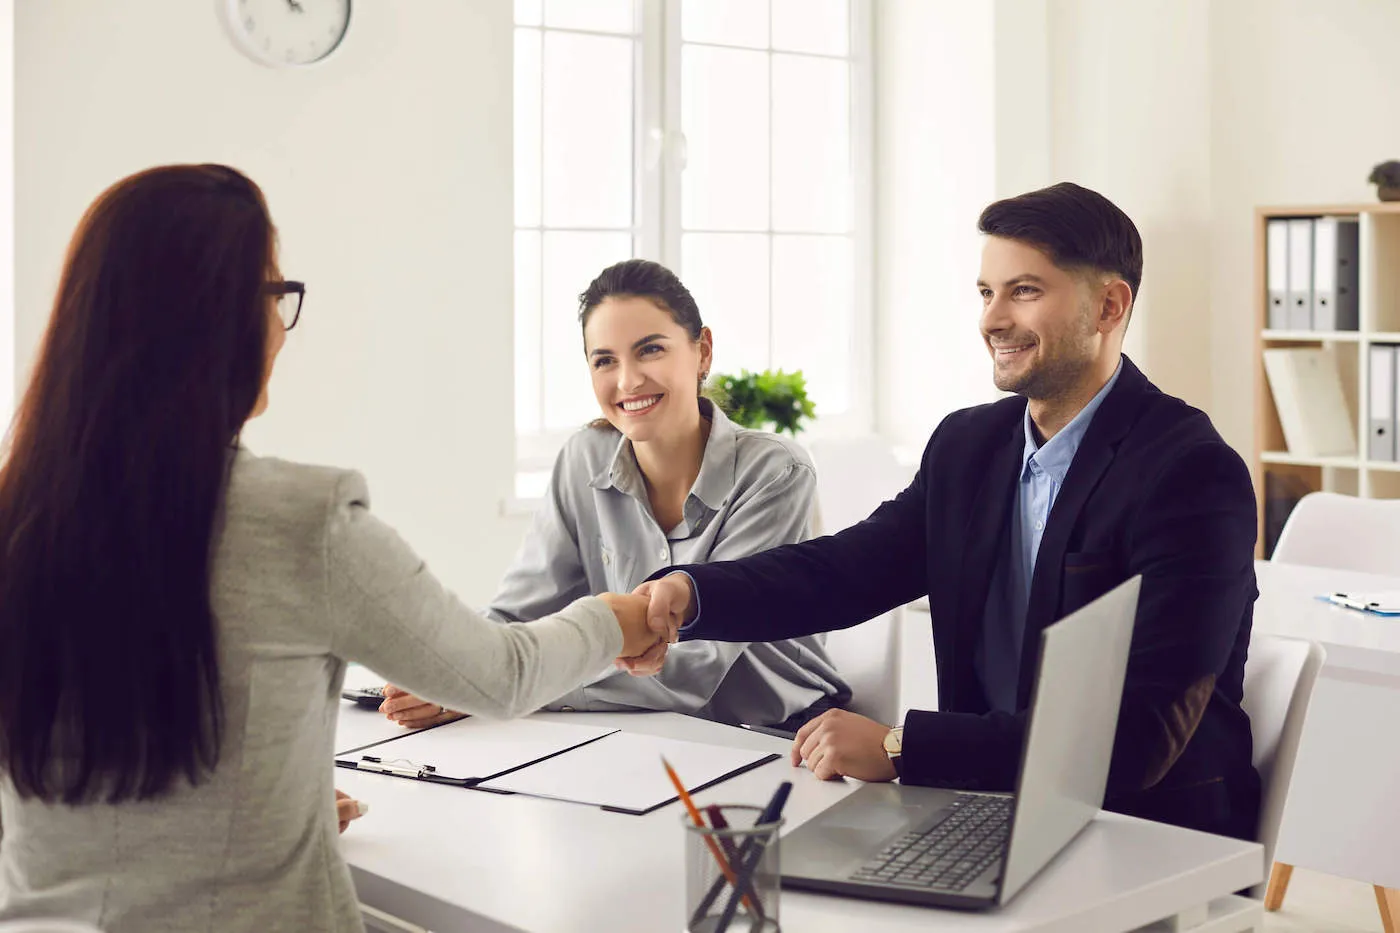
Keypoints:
(1379, 323)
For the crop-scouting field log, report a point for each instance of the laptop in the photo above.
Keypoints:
(928, 845)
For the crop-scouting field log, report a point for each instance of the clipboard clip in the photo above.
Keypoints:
(399, 766)
(1352, 602)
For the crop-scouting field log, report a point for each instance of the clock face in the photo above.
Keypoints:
(287, 32)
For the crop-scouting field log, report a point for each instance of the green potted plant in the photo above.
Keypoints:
(755, 400)
(1386, 178)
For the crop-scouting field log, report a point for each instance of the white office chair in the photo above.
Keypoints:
(854, 475)
(47, 926)
(1327, 529)
(1278, 680)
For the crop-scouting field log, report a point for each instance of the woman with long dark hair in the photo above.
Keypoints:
(176, 613)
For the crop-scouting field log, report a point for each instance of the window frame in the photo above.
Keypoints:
(658, 154)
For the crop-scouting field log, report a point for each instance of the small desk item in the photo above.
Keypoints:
(471, 751)
(726, 870)
(769, 730)
(751, 854)
(619, 773)
(1379, 603)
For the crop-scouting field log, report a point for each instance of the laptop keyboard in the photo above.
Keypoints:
(949, 855)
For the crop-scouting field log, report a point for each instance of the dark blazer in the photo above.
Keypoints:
(1153, 490)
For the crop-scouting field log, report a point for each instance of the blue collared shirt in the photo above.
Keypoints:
(1043, 472)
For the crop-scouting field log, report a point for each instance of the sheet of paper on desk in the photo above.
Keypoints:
(481, 748)
(623, 771)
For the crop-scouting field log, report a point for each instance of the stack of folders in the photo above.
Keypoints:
(1382, 426)
(1313, 272)
(1307, 392)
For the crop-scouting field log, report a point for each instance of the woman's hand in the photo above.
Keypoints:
(412, 712)
(641, 647)
(347, 808)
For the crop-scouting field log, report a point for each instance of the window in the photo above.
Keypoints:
(728, 139)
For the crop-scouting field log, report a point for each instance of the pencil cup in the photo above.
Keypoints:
(731, 873)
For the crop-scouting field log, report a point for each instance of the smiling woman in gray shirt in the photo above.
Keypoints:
(664, 477)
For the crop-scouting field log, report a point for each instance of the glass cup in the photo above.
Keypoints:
(749, 851)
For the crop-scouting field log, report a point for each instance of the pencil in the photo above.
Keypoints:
(700, 822)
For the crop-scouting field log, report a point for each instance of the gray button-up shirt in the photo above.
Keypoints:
(595, 532)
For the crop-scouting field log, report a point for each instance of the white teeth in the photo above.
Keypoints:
(641, 404)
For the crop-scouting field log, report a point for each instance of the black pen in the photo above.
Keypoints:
(768, 730)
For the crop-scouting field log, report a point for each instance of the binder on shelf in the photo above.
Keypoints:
(1307, 392)
(1380, 440)
(1276, 272)
(1336, 282)
(1300, 273)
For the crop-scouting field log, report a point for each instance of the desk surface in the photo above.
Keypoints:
(449, 858)
(1287, 606)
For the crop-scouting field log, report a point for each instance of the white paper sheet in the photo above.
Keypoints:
(624, 771)
(480, 748)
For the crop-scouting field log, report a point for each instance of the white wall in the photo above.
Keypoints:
(1304, 102)
(7, 208)
(388, 171)
(935, 169)
(1130, 118)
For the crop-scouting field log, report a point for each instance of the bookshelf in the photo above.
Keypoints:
(1274, 468)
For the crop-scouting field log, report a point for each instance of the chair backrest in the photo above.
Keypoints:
(855, 475)
(1327, 529)
(867, 655)
(46, 926)
(1278, 681)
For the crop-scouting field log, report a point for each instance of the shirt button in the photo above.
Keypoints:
(1039, 526)
(607, 559)
(664, 553)
(566, 709)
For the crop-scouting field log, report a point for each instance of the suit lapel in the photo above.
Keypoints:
(1111, 422)
(984, 534)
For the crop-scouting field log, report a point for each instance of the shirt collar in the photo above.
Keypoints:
(717, 466)
(1058, 452)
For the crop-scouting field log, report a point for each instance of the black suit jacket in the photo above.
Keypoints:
(1153, 490)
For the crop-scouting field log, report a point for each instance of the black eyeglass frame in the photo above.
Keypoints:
(284, 288)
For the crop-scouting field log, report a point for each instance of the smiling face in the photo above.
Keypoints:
(1041, 323)
(646, 369)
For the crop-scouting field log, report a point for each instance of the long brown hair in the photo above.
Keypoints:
(116, 465)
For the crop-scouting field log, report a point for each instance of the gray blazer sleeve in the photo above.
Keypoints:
(387, 611)
(761, 683)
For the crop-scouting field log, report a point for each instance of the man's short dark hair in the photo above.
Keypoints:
(1077, 228)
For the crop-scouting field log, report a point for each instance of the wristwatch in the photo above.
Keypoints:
(894, 747)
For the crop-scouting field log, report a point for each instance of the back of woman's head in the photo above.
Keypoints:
(112, 484)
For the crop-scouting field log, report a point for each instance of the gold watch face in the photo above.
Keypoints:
(893, 741)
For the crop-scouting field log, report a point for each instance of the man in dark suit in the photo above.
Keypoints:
(1021, 512)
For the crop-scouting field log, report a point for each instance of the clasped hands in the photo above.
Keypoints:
(648, 618)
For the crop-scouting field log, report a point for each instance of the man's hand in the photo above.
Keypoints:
(412, 712)
(842, 744)
(671, 603)
(639, 643)
(347, 809)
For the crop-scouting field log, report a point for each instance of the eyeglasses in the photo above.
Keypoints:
(289, 296)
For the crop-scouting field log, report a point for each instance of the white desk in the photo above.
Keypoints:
(1340, 817)
(451, 859)
(1287, 606)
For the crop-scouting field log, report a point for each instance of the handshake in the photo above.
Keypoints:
(650, 619)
